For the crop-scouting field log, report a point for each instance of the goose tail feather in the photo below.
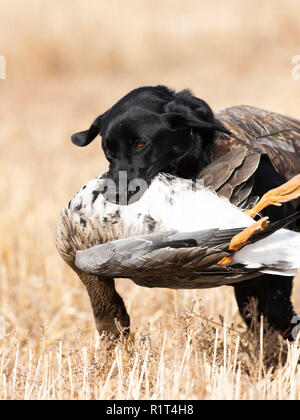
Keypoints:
(276, 253)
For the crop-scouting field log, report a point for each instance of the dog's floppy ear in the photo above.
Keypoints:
(83, 138)
(177, 121)
(187, 111)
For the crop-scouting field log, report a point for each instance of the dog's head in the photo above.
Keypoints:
(152, 130)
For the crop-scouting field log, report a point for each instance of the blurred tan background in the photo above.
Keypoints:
(67, 62)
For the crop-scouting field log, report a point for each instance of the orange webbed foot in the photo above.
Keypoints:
(286, 192)
(242, 239)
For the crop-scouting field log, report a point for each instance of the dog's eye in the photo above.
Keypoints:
(139, 145)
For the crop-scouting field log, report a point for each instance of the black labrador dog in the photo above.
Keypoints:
(154, 129)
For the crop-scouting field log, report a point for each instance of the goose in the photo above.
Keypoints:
(193, 230)
(178, 234)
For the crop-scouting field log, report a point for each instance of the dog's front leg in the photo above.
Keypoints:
(109, 310)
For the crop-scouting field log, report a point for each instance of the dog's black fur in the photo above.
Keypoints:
(154, 129)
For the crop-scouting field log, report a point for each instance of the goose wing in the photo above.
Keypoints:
(234, 158)
(166, 259)
(177, 260)
(231, 175)
(262, 132)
